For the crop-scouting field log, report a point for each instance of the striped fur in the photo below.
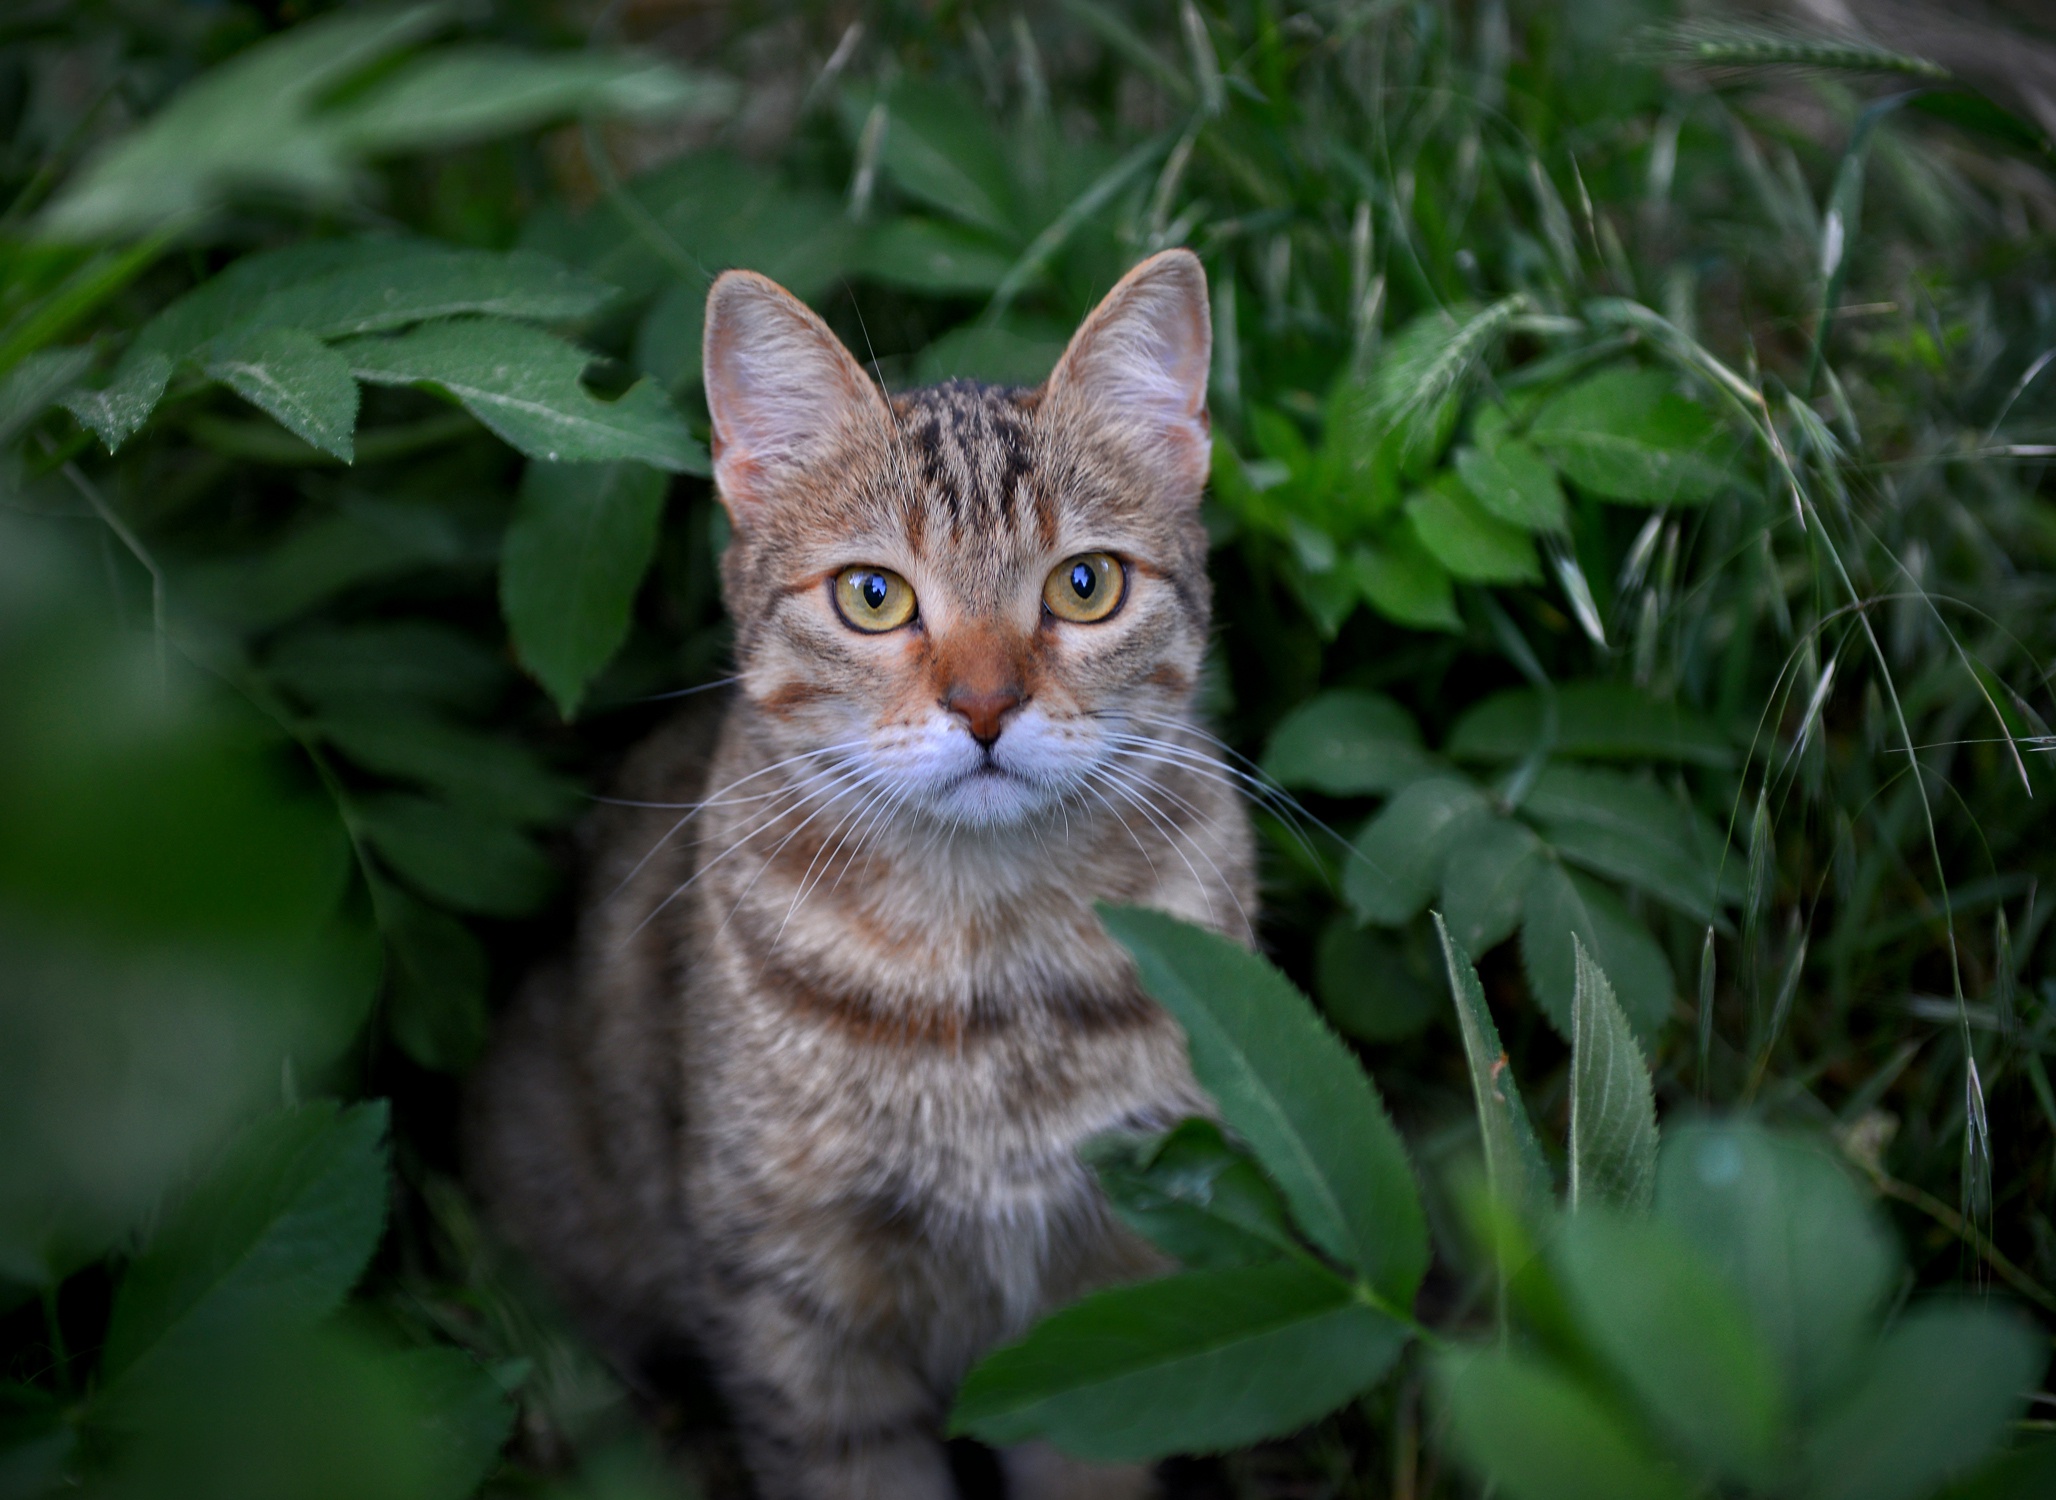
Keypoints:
(811, 1087)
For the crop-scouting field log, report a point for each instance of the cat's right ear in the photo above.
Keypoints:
(782, 390)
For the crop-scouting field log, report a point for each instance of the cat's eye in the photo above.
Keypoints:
(1085, 588)
(873, 599)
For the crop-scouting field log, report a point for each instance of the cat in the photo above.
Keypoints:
(809, 1091)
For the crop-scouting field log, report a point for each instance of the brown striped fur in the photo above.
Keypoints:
(811, 1087)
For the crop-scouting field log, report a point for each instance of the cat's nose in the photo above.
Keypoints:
(981, 709)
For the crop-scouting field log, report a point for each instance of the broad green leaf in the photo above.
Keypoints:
(524, 384)
(1404, 582)
(299, 380)
(924, 255)
(1193, 1363)
(1935, 1398)
(1537, 1434)
(117, 412)
(279, 1228)
(1468, 541)
(1561, 905)
(2026, 1473)
(491, 776)
(32, 386)
(1678, 1337)
(1347, 742)
(1613, 1110)
(473, 863)
(462, 94)
(940, 147)
(1624, 434)
(1194, 1195)
(1366, 984)
(437, 968)
(1617, 826)
(1514, 1167)
(338, 666)
(466, 1416)
(668, 341)
(1286, 1084)
(581, 539)
(1799, 1240)
(1595, 721)
(1485, 882)
(1397, 860)
(1513, 484)
(1415, 394)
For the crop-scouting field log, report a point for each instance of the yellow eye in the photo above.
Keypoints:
(1085, 588)
(873, 599)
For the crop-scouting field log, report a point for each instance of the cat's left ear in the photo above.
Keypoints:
(1135, 371)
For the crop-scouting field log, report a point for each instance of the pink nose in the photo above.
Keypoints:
(982, 709)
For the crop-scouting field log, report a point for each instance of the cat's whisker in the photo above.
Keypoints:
(1172, 831)
(859, 778)
(825, 857)
(1266, 793)
(1087, 783)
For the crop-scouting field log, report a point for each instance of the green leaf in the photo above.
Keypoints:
(1539, 1435)
(1404, 582)
(1799, 1240)
(1595, 721)
(1629, 830)
(1194, 1195)
(32, 386)
(1398, 858)
(1286, 1084)
(1514, 1167)
(941, 148)
(1561, 905)
(1469, 541)
(1613, 1108)
(942, 260)
(1485, 882)
(1347, 743)
(38, 1446)
(575, 555)
(1937, 1396)
(494, 777)
(117, 413)
(1679, 1338)
(668, 340)
(1366, 984)
(335, 666)
(473, 863)
(1193, 1363)
(1624, 434)
(1003, 355)
(436, 1010)
(280, 1228)
(1511, 481)
(466, 1415)
(299, 380)
(524, 385)
(2026, 1473)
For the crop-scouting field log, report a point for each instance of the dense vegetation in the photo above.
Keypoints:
(1636, 578)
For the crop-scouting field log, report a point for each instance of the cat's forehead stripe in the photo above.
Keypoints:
(970, 446)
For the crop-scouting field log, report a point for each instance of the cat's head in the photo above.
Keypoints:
(965, 597)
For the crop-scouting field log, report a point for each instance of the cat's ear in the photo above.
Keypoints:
(782, 390)
(1136, 369)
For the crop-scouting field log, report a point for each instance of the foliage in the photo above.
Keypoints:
(1632, 532)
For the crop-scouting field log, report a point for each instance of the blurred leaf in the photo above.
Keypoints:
(1287, 1086)
(1973, 111)
(940, 148)
(2026, 1473)
(466, 1414)
(997, 353)
(1678, 1337)
(1629, 830)
(1465, 539)
(1347, 742)
(1366, 985)
(524, 384)
(1595, 720)
(1624, 434)
(668, 340)
(296, 378)
(1613, 1111)
(1514, 1167)
(1193, 1195)
(437, 1010)
(1192, 1363)
(328, 665)
(31, 387)
(117, 412)
(1399, 856)
(1485, 882)
(576, 551)
(1561, 905)
(474, 863)
(1539, 1435)
(1513, 484)
(923, 255)
(1792, 1234)
(279, 1229)
(1403, 581)
(1936, 1397)
(37, 1444)
(494, 777)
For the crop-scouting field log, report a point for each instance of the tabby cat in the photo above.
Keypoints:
(810, 1090)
